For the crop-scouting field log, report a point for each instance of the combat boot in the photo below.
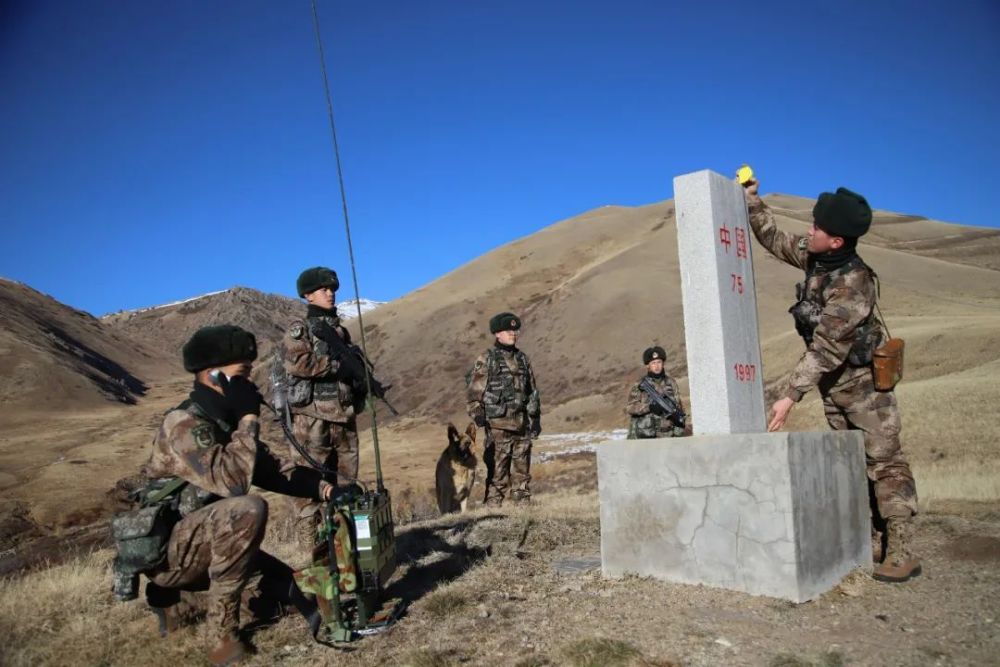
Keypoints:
(229, 651)
(878, 553)
(225, 615)
(900, 562)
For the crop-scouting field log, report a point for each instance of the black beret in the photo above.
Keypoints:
(843, 213)
(653, 353)
(218, 346)
(312, 279)
(504, 322)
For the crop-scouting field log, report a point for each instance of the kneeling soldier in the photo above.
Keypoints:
(649, 419)
(835, 316)
(503, 399)
(205, 457)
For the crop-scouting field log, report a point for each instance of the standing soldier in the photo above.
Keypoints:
(835, 315)
(204, 459)
(324, 395)
(503, 399)
(648, 418)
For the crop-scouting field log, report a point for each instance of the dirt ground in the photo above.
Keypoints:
(520, 586)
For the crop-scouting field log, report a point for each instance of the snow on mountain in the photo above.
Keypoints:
(349, 309)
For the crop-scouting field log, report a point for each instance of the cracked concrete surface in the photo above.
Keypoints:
(781, 514)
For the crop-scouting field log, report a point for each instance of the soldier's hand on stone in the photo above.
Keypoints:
(243, 398)
(751, 187)
(779, 413)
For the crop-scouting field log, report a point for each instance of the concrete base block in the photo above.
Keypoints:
(778, 514)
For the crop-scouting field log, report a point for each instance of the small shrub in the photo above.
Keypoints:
(444, 602)
(599, 652)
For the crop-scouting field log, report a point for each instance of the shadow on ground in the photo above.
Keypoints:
(434, 555)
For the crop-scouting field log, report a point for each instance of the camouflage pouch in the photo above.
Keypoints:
(868, 338)
(645, 426)
(300, 392)
(494, 405)
(141, 537)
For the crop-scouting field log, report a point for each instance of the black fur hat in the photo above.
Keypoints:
(312, 279)
(218, 346)
(504, 322)
(843, 213)
(651, 353)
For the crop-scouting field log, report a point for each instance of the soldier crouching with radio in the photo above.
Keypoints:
(199, 527)
(835, 316)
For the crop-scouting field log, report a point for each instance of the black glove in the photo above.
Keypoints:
(536, 427)
(479, 417)
(657, 409)
(243, 398)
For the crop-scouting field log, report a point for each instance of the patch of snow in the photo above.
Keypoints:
(166, 305)
(349, 309)
(556, 445)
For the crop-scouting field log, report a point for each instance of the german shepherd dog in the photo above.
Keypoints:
(456, 470)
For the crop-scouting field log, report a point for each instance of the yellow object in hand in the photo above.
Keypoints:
(744, 174)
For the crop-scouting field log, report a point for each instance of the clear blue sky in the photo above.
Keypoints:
(156, 150)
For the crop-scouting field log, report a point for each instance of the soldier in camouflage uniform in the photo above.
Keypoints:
(835, 315)
(648, 419)
(503, 399)
(324, 401)
(210, 441)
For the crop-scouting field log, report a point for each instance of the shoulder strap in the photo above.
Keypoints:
(174, 485)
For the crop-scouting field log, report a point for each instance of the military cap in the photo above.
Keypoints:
(218, 346)
(842, 213)
(504, 322)
(312, 279)
(652, 353)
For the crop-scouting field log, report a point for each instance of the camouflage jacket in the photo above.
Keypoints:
(218, 461)
(501, 387)
(313, 371)
(645, 423)
(845, 299)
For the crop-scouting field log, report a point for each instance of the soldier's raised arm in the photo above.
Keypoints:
(790, 248)
(186, 447)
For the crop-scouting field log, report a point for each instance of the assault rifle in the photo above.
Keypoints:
(354, 366)
(670, 408)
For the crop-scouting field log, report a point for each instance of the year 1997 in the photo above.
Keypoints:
(745, 372)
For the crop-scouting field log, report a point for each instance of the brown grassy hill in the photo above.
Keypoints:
(169, 326)
(56, 356)
(596, 289)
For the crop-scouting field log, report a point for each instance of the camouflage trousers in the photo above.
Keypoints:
(507, 456)
(851, 401)
(216, 548)
(334, 445)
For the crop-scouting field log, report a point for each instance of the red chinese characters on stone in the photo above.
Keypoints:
(741, 243)
(724, 238)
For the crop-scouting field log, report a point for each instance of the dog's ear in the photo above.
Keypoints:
(452, 433)
(471, 431)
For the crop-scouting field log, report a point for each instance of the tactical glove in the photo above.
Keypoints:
(243, 398)
(479, 417)
(536, 427)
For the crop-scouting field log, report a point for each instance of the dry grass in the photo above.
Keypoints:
(484, 592)
(65, 615)
(599, 652)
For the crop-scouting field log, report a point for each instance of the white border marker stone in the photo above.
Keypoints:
(720, 305)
